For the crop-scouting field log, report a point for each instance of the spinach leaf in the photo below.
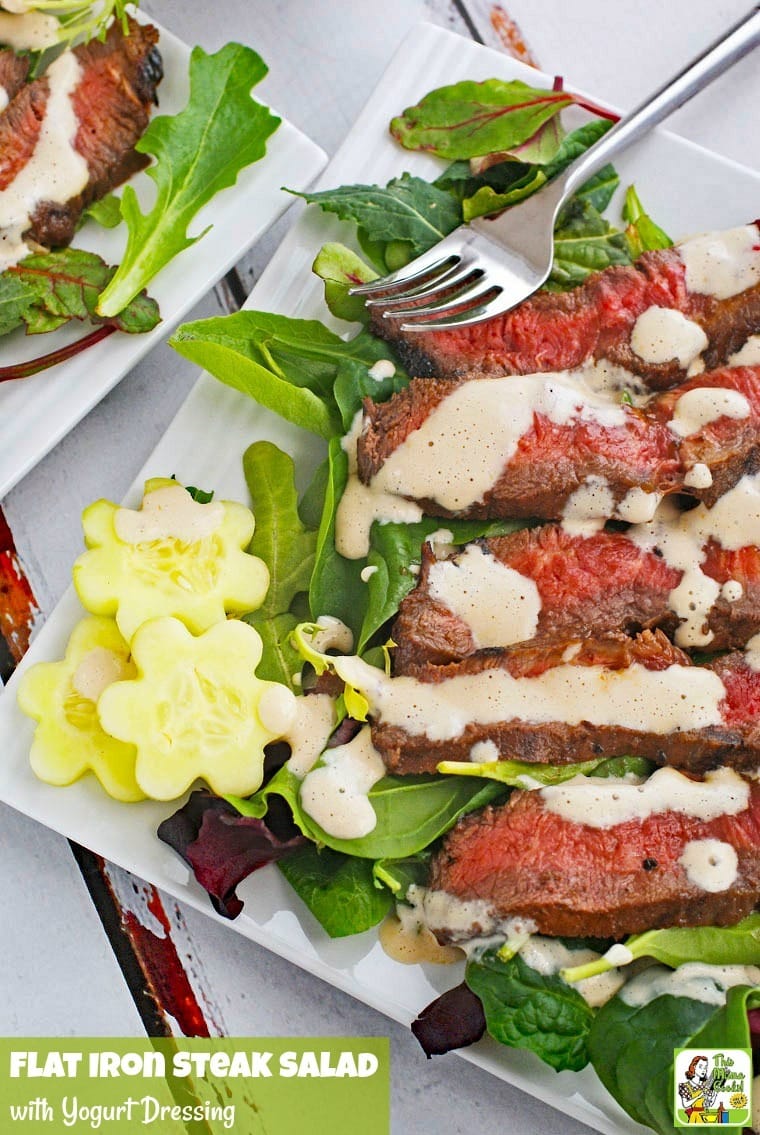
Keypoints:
(336, 584)
(468, 119)
(632, 1046)
(339, 890)
(408, 209)
(488, 200)
(412, 811)
(526, 1009)
(575, 144)
(198, 152)
(353, 383)
(280, 538)
(341, 269)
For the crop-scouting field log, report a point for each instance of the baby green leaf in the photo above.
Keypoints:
(584, 242)
(341, 269)
(340, 891)
(642, 233)
(199, 151)
(467, 119)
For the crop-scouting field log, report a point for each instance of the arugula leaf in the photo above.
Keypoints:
(584, 242)
(50, 289)
(642, 233)
(526, 1009)
(711, 945)
(339, 890)
(341, 269)
(199, 151)
(408, 209)
(468, 119)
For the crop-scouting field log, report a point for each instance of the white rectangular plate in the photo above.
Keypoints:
(36, 412)
(687, 189)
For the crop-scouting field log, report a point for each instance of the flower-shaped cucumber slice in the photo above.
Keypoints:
(197, 709)
(172, 556)
(69, 739)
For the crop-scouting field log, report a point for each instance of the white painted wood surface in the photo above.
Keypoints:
(59, 977)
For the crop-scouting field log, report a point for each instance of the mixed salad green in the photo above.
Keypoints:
(316, 379)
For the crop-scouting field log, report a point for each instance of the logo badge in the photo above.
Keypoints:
(713, 1085)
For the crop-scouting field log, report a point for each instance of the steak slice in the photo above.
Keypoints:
(606, 450)
(13, 72)
(584, 585)
(551, 332)
(111, 102)
(524, 860)
(564, 703)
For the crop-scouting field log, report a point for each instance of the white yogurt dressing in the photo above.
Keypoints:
(710, 864)
(663, 333)
(4, 100)
(55, 172)
(695, 980)
(681, 539)
(27, 31)
(309, 731)
(722, 264)
(748, 355)
(697, 408)
(600, 802)
(498, 605)
(168, 513)
(698, 477)
(548, 956)
(99, 669)
(335, 793)
(662, 702)
(383, 368)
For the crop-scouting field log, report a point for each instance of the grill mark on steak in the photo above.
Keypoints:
(735, 742)
(112, 103)
(588, 586)
(552, 461)
(574, 880)
(551, 331)
(13, 72)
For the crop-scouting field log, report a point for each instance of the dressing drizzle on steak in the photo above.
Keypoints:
(552, 332)
(564, 703)
(524, 859)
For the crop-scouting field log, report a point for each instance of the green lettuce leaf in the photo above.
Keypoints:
(199, 152)
(46, 290)
(468, 119)
(339, 890)
(526, 1009)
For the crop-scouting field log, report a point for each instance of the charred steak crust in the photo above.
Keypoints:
(13, 72)
(735, 742)
(588, 586)
(553, 331)
(112, 104)
(552, 461)
(571, 879)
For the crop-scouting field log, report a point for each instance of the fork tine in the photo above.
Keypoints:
(449, 279)
(473, 309)
(401, 280)
(440, 299)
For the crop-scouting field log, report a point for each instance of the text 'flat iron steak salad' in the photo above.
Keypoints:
(493, 681)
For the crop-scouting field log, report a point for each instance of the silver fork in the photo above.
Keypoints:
(487, 267)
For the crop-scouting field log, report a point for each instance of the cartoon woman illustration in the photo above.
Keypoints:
(697, 1091)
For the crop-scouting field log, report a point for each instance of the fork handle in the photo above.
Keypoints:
(737, 42)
